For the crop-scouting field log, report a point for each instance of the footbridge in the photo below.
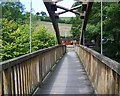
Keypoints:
(61, 69)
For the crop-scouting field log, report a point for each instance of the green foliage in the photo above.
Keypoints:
(43, 13)
(47, 19)
(112, 31)
(15, 32)
(16, 39)
(0, 50)
(65, 20)
(111, 28)
(76, 25)
(13, 11)
(42, 39)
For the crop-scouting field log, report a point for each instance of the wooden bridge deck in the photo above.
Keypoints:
(68, 77)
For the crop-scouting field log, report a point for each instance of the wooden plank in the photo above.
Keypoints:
(12, 62)
(40, 69)
(25, 76)
(1, 83)
(17, 77)
(29, 76)
(68, 77)
(7, 81)
(107, 61)
(22, 77)
(104, 72)
(13, 80)
(26, 69)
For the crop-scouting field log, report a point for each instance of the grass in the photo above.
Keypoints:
(65, 18)
(64, 28)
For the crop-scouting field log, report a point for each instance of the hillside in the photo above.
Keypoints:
(64, 28)
(65, 18)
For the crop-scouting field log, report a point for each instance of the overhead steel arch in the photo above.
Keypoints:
(51, 6)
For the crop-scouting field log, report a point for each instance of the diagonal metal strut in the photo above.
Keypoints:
(84, 23)
(67, 10)
(54, 20)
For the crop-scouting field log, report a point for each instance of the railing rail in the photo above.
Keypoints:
(104, 73)
(23, 74)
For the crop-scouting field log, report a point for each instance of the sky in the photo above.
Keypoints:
(38, 6)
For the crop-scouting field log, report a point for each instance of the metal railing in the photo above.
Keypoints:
(24, 74)
(103, 72)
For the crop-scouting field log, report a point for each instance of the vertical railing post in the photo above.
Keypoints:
(22, 77)
(7, 81)
(40, 70)
(1, 82)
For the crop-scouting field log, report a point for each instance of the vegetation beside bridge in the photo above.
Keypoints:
(16, 32)
(111, 28)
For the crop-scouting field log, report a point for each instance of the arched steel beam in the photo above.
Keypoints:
(54, 20)
(84, 23)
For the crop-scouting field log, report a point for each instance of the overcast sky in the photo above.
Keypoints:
(38, 6)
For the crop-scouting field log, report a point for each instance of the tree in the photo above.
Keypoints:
(15, 32)
(76, 26)
(15, 39)
(43, 13)
(111, 29)
(76, 23)
(13, 11)
(42, 39)
(37, 13)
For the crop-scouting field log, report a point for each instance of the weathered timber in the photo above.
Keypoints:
(68, 77)
(104, 73)
(22, 75)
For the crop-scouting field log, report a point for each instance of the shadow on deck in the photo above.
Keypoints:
(68, 77)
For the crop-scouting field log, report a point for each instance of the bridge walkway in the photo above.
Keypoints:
(68, 77)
